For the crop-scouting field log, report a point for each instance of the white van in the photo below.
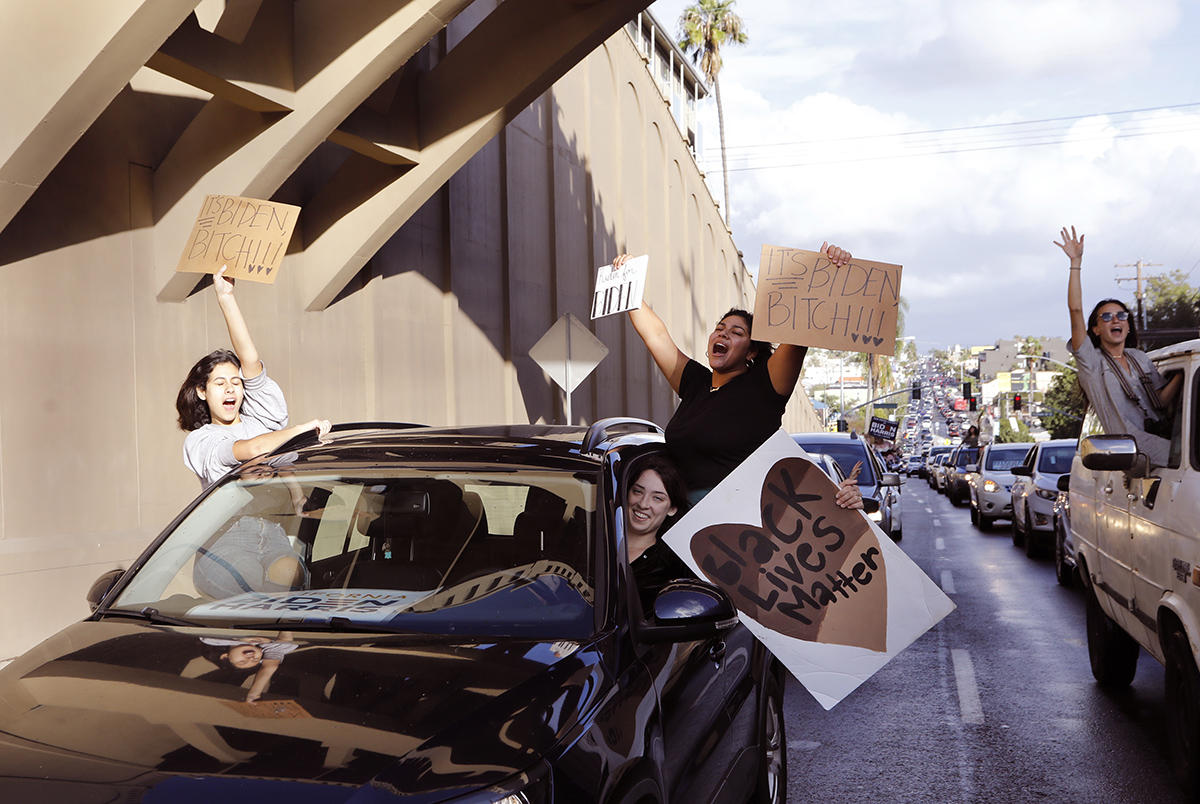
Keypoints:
(1137, 534)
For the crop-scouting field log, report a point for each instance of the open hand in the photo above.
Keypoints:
(1072, 246)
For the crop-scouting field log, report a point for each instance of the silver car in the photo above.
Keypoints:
(991, 485)
(1036, 489)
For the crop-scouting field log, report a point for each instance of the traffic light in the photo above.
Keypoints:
(974, 404)
(843, 426)
(1016, 401)
(916, 389)
(966, 389)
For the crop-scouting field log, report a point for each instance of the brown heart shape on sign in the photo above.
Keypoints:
(812, 570)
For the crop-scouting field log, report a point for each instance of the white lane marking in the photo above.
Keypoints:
(937, 523)
(928, 510)
(940, 543)
(968, 691)
(947, 582)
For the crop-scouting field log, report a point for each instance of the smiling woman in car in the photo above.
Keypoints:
(727, 410)
(1126, 390)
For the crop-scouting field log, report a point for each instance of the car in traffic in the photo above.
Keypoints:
(458, 621)
(959, 468)
(874, 481)
(938, 472)
(1064, 542)
(913, 465)
(1035, 490)
(991, 489)
(930, 459)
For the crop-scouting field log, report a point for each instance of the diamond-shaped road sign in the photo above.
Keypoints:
(568, 352)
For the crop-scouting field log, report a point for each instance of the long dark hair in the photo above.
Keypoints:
(193, 411)
(761, 349)
(1131, 339)
(671, 479)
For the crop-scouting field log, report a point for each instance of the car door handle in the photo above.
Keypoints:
(716, 651)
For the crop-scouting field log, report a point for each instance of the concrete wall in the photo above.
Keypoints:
(435, 328)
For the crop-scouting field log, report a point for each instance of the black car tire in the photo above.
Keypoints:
(985, 522)
(1032, 539)
(641, 791)
(1183, 708)
(1062, 570)
(772, 741)
(974, 516)
(1112, 652)
(1017, 536)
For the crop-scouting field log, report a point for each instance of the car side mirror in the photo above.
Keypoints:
(889, 479)
(971, 468)
(102, 586)
(686, 611)
(1064, 482)
(1108, 453)
(1022, 470)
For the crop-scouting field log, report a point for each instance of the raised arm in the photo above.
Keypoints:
(653, 332)
(785, 364)
(239, 333)
(1072, 246)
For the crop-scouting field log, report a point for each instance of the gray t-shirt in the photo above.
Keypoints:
(208, 451)
(1116, 411)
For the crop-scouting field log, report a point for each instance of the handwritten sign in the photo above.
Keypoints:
(821, 586)
(885, 429)
(620, 289)
(365, 605)
(803, 298)
(248, 235)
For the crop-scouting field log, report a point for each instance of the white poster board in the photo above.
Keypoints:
(831, 596)
(619, 290)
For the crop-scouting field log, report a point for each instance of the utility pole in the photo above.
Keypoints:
(1139, 293)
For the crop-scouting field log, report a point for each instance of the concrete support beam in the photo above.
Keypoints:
(52, 94)
(339, 59)
(510, 58)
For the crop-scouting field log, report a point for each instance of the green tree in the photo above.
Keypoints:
(1007, 434)
(1062, 409)
(1171, 303)
(704, 28)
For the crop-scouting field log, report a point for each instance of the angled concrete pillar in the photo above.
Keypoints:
(510, 58)
(341, 55)
(61, 64)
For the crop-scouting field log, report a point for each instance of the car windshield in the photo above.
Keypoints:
(1056, 460)
(1002, 460)
(437, 552)
(847, 455)
(966, 456)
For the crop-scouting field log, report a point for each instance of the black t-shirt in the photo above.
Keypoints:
(656, 567)
(714, 431)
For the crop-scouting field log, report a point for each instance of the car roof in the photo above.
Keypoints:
(826, 438)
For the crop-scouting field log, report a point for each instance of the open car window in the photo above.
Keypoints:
(451, 552)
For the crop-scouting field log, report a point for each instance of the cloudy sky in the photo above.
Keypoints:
(956, 137)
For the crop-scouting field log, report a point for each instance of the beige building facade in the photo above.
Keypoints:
(462, 169)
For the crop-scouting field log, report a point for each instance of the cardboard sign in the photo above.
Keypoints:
(363, 605)
(805, 299)
(620, 289)
(883, 428)
(821, 586)
(248, 235)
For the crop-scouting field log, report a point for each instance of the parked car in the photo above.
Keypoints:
(1036, 489)
(1064, 542)
(959, 468)
(466, 628)
(1137, 547)
(991, 491)
(874, 483)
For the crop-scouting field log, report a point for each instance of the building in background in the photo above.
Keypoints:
(462, 169)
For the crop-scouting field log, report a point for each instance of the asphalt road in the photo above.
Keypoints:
(996, 703)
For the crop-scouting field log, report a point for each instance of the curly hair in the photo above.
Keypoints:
(760, 348)
(193, 411)
(1131, 340)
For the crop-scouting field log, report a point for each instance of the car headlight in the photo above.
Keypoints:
(991, 485)
(1045, 494)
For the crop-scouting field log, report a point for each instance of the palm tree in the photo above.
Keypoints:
(705, 27)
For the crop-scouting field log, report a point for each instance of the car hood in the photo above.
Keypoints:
(109, 710)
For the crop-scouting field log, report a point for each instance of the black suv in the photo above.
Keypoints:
(403, 614)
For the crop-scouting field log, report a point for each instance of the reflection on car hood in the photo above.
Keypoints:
(116, 711)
